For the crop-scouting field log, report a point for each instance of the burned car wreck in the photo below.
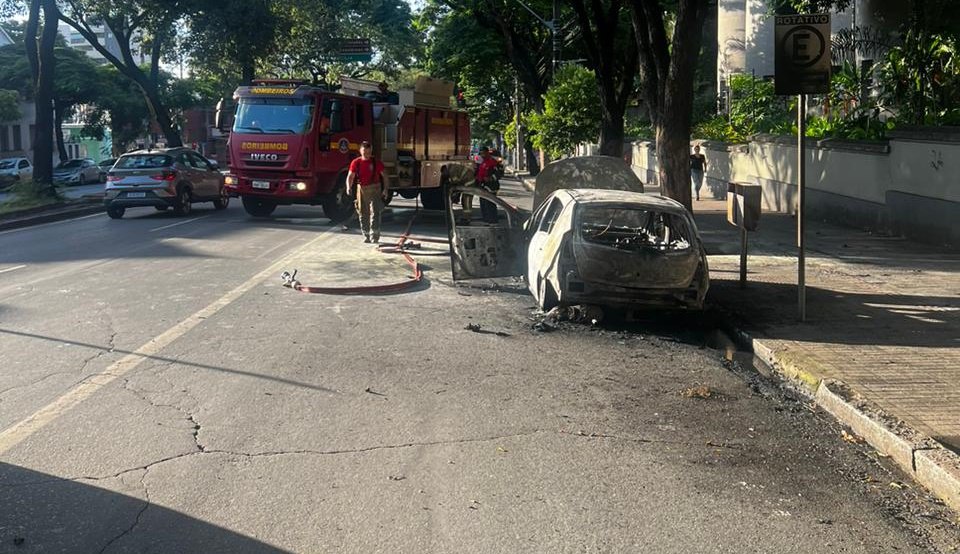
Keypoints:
(598, 246)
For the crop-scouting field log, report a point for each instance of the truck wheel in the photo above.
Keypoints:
(337, 205)
(432, 199)
(409, 194)
(257, 207)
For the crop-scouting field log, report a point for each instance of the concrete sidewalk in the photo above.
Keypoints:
(880, 348)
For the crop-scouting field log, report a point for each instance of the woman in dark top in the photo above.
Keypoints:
(698, 166)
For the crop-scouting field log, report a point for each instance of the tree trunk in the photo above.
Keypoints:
(158, 111)
(58, 131)
(248, 73)
(611, 131)
(673, 160)
(43, 140)
(668, 69)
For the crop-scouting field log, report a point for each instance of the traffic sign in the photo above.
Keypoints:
(802, 54)
(355, 50)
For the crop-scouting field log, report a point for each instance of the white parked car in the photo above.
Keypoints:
(14, 169)
(79, 171)
(589, 246)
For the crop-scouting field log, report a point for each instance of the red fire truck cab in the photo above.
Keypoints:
(292, 143)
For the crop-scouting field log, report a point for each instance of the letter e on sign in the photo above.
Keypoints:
(802, 54)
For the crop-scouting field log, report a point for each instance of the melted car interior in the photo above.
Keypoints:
(633, 229)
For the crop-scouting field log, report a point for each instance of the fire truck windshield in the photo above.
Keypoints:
(275, 116)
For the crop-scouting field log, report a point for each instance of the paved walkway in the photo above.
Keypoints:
(883, 313)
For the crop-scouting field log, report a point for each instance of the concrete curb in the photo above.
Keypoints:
(58, 213)
(921, 457)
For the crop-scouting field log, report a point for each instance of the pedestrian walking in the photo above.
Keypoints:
(698, 166)
(365, 177)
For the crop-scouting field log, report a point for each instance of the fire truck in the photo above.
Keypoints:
(292, 143)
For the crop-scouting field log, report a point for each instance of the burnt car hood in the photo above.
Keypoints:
(585, 172)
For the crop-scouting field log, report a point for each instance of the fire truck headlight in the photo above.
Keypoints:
(231, 180)
(298, 186)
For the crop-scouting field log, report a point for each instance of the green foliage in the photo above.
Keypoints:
(755, 108)
(920, 79)
(638, 128)
(719, 129)
(9, 105)
(571, 113)
(120, 107)
(461, 50)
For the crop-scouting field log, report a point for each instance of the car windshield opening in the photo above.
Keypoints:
(280, 116)
(145, 161)
(634, 229)
(70, 164)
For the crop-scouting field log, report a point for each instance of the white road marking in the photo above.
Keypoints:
(177, 223)
(32, 227)
(18, 432)
(9, 269)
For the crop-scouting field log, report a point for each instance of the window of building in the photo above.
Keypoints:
(4, 138)
(17, 138)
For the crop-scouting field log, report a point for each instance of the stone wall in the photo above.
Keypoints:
(908, 186)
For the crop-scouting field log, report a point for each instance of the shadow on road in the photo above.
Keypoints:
(44, 513)
(163, 359)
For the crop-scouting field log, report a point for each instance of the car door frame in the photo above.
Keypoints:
(486, 251)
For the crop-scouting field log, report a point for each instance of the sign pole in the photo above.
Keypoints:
(801, 197)
(743, 256)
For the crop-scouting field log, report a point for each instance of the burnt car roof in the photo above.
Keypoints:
(585, 172)
(602, 196)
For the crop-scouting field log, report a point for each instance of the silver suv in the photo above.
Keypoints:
(164, 178)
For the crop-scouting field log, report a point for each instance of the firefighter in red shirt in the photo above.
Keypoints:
(366, 174)
(484, 177)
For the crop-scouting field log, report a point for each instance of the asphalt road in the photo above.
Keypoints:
(160, 391)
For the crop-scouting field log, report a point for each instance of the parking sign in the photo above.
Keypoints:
(802, 54)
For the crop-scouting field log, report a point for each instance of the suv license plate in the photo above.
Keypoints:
(261, 184)
(136, 195)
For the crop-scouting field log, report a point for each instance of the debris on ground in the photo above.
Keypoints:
(397, 477)
(476, 328)
(702, 391)
(371, 391)
(851, 438)
(578, 313)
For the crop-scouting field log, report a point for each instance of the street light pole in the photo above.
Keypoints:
(551, 25)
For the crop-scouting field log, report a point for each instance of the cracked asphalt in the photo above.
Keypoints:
(160, 391)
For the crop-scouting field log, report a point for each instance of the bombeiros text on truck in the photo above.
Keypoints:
(292, 143)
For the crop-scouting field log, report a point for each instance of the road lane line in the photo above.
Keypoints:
(9, 269)
(21, 430)
(177, 223)
(32, 227)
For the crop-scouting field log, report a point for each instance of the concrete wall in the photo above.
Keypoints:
(908, 187)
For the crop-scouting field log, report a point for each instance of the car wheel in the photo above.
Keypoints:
(183, 205)
(546, 297)
(257, 207)
(162, 208)
(115, 212)
(224, 200)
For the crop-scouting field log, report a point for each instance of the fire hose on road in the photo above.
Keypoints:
(290, 279)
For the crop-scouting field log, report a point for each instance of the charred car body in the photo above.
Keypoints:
(590, 246)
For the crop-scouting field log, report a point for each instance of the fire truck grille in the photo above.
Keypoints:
(265, 160)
